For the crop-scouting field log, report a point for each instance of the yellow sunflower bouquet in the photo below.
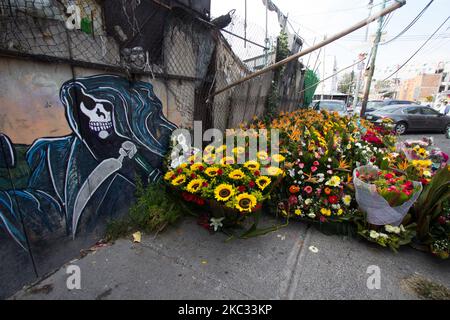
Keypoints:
(231, 189)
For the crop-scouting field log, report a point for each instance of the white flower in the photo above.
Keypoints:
(308, 201)
(389, 228)
(374, 235)
(216, 223)
(383, 235)
(292, 173)
(402, 228)
(347, 200)
(311, 215)
(336, 206)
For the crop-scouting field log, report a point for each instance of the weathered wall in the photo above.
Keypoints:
(61, 174)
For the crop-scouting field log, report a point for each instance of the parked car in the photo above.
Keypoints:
(412, 117)
(375, 105)
(331, 106)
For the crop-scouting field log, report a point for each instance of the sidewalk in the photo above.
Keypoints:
(186, 262)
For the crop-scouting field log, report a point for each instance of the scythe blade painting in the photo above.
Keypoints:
(119, 134)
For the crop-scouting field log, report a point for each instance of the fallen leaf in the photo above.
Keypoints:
(137, 237)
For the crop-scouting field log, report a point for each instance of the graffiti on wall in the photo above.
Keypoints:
(119, 134)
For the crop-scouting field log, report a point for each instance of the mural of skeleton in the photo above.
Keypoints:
(119, 133)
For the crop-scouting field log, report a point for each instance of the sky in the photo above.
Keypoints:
(312, 19)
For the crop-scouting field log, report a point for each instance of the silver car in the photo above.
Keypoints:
(331, 106)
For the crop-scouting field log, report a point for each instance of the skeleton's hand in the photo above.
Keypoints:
(128, 149)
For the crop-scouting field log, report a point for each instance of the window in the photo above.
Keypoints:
(429, 112)
(413, 111)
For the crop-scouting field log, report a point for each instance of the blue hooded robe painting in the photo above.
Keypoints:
(119, 133)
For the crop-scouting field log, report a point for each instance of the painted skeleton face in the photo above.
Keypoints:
(99, 113)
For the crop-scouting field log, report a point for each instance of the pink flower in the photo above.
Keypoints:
(330, 171)
(316, 163)
(313, 169)
(301, 165)
(308, 189)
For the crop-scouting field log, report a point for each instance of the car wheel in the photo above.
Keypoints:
(400, 128)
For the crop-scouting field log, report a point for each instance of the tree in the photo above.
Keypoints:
(345, 84)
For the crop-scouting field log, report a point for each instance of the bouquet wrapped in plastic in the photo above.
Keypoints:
(385, 197)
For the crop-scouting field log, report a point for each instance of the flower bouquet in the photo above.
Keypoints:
(230, 192)
(384, 196)
(389, 236)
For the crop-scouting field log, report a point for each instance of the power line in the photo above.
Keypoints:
(334, 74)
(410, 24)
(420, 48)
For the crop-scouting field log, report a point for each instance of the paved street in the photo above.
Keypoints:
(188, 263)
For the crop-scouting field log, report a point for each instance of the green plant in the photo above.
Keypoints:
(155, 208)
(273, 99)
(430, 204)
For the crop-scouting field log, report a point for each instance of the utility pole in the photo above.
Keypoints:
(266, 51)
(372, 63)
(359, 76)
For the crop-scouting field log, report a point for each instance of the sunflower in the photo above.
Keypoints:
(236, 174)
(245, 202)
(212, 172)
(221, 149)
(179, 180)
(239, 150)
(278, 158)
(224, 192)
(197, 166)
(195, 158)
(274, 171)
(209, 158)
(252, 165)
(209, 149)
(262, 182)
(169, 175)
(227, 160)
(262, 156)
(195, 185)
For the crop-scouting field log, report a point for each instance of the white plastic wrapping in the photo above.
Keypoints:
(378, 210)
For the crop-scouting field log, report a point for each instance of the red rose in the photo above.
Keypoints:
(241, 189)
(333, 199)
(201, 168)
(179, 170)
(251, 184)
(200, 202)
(193, 176)
(388, 176)
(220, 172)
(257, 173)
(205, 184)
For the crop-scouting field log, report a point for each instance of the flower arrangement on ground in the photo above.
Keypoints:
(230, 190)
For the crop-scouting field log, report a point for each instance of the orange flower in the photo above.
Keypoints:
(327, 191)
(294, 189)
